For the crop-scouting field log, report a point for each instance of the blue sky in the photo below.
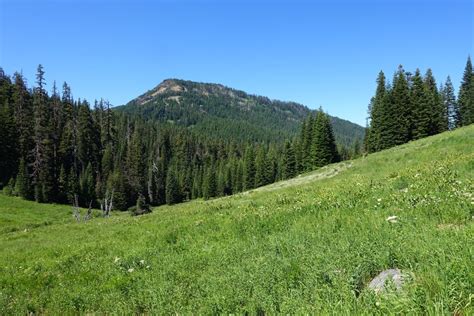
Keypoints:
(318, 53)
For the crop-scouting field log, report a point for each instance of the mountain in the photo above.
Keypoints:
(222, 112)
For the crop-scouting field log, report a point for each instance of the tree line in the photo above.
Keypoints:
(54, 148)
(413, 107)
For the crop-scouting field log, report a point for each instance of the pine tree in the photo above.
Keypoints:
(209, 184)
(22, 185)
(466, 96)
(172, 187)
(87, 186)
(260, 161)
(23, 112)
(376, 114)
(438, 121)
(450, 104)
(289, 161)
(136, 165)
(8, 144)
(116, 184)
(249, 169)
(62, 185)
(398, 118)
(323, 149)
(43, 164)
(72, 186)
(421, 107)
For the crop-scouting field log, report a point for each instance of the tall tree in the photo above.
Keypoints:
(8, 144)
(398, 119)
(289, 162)
(249, 169)
(421, 107)
(466, 95)
(450, 104)
(376, 114)
(43, 161)
(173, 194)
(438, 120)
(323, 149)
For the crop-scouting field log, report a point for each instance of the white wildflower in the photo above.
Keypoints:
(117, 259)
(130, 270)
(142, 261)
(148, 267)
(379, 200)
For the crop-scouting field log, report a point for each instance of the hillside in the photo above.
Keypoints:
(307, 245)
(222, 112)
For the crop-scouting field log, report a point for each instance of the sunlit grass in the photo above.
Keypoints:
(310, 247)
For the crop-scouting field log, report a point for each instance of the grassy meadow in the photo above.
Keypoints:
(307, 245)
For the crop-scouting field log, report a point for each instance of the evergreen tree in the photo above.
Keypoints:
(421, 107)
(466, 96)
(22, 185)
(172, 187)
(376, 114)
(116, 184)
(87, 186)
(323, 149)
(260, 168)
(397, 115)
(23, 111)
(62, 185)
(209, 184)
(72, 186)
(43, 164)
(450, 104)
(249, 169)
(136, 165)
(289, 162)
(438, 121)
(8, 144)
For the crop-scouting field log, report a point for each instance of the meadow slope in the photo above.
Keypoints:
(308, 245)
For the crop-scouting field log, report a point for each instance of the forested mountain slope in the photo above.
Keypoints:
(222, 112)
(309, 245)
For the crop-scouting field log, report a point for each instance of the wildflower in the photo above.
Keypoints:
(142, 261)
(148, 267)
(130, 270)
(117, 259)
(379, 200)
(392, 219)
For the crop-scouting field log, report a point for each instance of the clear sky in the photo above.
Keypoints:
(318, 53)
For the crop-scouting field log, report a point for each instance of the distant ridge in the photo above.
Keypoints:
(223, 112)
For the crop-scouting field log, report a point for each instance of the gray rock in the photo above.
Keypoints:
(378, 283)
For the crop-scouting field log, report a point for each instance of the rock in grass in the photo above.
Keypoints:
(392, 219)
(379, 283)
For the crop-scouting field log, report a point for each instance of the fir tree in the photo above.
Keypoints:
(173, 194)
(466, 96)
(421, 107)
(289, 162)
(8, 144)
(323, 149)
(209, 184)
(438, 121)
(22, 185)
(450, 104)
(260, 175)
(376, 114)
(249, 169)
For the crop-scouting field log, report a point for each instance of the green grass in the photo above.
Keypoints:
(308, 246)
